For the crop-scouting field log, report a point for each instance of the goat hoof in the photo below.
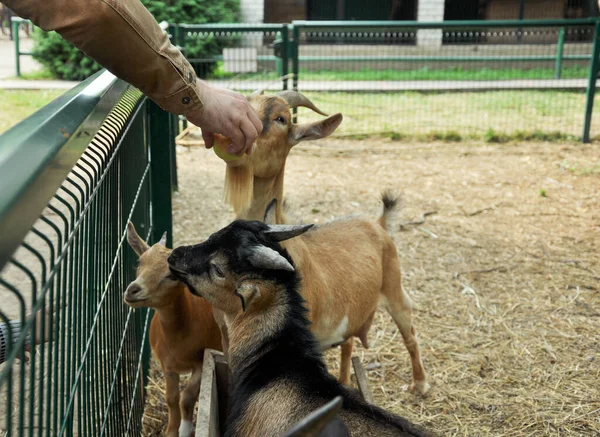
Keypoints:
(421, 387)
(186, 428)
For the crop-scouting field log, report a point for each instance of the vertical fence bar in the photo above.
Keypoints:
(285, 55)
(173, 122)
(180, 40)
(559, 53)
(174, 31)
(591, 86)
(15, 29)
(295, 63)
(160, 173)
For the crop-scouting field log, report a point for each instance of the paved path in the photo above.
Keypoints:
(411, 85)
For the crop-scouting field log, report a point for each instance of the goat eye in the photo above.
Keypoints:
(218, 271)
(171, 277)
(280, 120)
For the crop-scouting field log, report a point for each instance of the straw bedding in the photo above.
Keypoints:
(500, 253)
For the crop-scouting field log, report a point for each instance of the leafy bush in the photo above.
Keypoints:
(60, 58)
(198, 12)
(66, 62)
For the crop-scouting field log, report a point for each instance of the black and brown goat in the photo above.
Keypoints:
(279, 375)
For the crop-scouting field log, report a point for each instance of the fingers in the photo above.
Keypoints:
(253, 116)
(209, 138)
(237, 137)
(250, 134)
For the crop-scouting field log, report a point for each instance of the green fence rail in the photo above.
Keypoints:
(72, 176)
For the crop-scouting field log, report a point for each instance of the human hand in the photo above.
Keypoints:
(41, 335)
(228, 113)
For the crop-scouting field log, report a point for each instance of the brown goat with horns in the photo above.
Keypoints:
(350, 266)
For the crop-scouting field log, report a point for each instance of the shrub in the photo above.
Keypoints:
(60, 58)
(66, 62)
(198, 12)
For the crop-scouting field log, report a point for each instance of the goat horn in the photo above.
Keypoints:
(264, 257)
(295, 99)
(320, 418)
(258, 92)
(285, 232)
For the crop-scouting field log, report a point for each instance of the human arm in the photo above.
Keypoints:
(14, 327)
(42, 333)
(123, 37)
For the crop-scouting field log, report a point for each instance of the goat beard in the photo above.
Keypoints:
(239, 185)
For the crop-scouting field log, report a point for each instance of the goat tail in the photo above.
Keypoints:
(390, 202)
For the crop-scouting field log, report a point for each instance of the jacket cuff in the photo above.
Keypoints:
(181, 102)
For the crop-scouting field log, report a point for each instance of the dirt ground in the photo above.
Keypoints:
(504, 273)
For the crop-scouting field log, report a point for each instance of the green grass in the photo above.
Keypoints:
(37, 75)
(425, 73)
(492, 116)
(456, 73)
(19, 104)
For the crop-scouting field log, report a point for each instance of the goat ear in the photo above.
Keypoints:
(316, 130)
(263, 257)
(138, 245)
(321, 422)
(285, 232)
(163, 239)
(270, 212)
(247, 292)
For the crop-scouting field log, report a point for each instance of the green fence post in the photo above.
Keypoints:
(277, 49)
(285, 40)
(160, 173)
(15, 29)
(180, 42)
(295, 63)
(559, 53)
(173, 128)
(591, 86)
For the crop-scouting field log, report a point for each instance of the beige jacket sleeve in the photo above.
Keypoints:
(123, 37)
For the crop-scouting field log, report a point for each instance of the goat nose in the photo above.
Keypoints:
(133, 289)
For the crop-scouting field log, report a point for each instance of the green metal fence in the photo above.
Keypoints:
(452, 80)
(242, 56)
(72, 175)
(17, 23)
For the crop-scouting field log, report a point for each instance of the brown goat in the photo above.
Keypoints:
(181, 328)
(349, 267)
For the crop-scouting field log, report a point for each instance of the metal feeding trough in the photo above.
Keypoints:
(215, 390)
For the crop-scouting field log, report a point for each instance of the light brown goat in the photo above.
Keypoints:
(349, 267)
(181, 328)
